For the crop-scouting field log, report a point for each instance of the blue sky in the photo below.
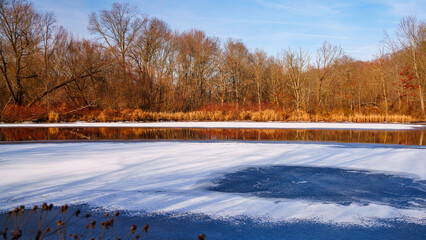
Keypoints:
(272, 25)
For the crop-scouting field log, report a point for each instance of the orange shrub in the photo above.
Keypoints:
(107, 115)
(17, 113)
(53, 117)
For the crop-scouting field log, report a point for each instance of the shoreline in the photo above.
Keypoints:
(227, 124)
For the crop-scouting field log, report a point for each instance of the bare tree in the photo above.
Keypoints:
(410, 39)
(196, 66)
(380, 65)
(274, 85)
(219, 85)
(19, 39)
(52, 36)
(294, 64)
(147, 54)
(259, 74)
(237, 57)
(327, 55)
(153, 36)
(79, 66)
(119, 29)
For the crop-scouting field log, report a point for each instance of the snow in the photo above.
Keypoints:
(261, 125)
(168, 177)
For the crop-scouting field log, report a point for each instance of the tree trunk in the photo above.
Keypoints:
(422, 102)
(259, 97)
(319, 99)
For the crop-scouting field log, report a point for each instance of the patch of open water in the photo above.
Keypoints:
(410, 137)
(330, 185)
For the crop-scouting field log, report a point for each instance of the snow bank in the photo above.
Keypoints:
(165, 177)
(261, 125)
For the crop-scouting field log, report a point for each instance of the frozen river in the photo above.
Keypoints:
(233, 189)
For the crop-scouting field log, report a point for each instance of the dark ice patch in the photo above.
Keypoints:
(331, 185)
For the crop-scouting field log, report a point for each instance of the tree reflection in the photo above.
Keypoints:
(348, 136)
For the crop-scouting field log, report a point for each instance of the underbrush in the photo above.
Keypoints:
(63, 113)
(138, 115)
(17, 113)
(47, 222)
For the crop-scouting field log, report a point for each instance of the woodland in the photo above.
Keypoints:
(136, 68)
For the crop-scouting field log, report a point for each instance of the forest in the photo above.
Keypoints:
(136, 68)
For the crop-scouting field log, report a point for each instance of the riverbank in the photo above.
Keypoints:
(224, 125)
(17, 114)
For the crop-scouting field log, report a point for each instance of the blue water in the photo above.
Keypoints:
(190, 226)
(329, 185)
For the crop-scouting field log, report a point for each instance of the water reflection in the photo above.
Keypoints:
(414, 137)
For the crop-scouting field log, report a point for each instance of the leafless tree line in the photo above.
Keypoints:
(139, 62)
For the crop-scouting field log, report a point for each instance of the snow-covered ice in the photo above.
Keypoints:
(168, 177)
(261, 125)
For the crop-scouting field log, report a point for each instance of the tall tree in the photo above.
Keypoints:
(295, 64)
(19, 38)
(237, 58)
(380, 68)
(259, 74)
(327, 55)
(196, 66)
(220, 85)
(148, 53)
(119, 29)
(79, 64)
(52, 36)
(275, 82)
(410, 40)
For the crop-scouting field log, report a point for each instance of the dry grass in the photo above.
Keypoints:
(109, 115)
(37, 223)
(49, 222)
(62, 113)
(359, 118)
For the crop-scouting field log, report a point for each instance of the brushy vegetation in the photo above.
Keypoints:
(37, 113)
(19, 224)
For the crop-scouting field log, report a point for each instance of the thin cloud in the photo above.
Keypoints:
(298, 34)
(319, 25)
(285, 35)
(318, 35)
(251, 21)
(274, 5)
(384, 21)
(304, 8)
(407, 7)
(365, 52)
(259, 21)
